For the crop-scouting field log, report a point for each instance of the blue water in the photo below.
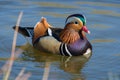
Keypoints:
(103, 20)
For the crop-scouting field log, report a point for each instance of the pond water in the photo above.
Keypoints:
(103, 20)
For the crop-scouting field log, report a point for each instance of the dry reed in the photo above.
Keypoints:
(6, 69)
(7, 74)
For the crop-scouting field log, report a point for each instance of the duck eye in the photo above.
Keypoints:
(76, 22)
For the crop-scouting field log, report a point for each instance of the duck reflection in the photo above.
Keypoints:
(71, 65)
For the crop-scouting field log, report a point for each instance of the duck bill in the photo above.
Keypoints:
(84, 28)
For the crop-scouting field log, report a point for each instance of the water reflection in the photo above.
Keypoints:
(72, 65)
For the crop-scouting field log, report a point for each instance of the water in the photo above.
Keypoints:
(103, 20)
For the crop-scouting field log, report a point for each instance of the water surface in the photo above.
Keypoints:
(103, 20)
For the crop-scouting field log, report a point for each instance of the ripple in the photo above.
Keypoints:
(106, 12)
(118, 54)
(101, 8)
(99, 4)
(100, 26)
(54, 14)
(103, 40)
(53, 4)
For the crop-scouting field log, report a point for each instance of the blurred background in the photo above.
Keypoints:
(103, 20)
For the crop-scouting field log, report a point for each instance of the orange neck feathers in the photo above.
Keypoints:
(69, 36)
(40, 28)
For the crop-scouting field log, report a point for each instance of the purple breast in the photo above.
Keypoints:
(78, 48)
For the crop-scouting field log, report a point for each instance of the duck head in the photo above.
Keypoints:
(74, 28)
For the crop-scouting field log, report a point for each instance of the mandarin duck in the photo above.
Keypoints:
(70, 41)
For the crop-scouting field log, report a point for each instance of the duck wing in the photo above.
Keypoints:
(56, 33)
(29, 31)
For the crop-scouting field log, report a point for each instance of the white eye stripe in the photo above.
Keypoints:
(73, 19)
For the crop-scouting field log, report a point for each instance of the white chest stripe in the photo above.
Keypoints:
(62, 49)
(67, 50)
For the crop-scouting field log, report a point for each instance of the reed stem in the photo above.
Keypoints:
(7, 74)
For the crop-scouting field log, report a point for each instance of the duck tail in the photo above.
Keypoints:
(25, 31)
